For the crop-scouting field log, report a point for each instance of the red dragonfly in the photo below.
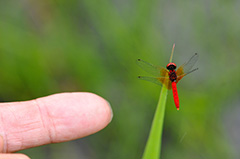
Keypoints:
(168, 77)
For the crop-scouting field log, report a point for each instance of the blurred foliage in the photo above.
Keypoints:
(68, 45)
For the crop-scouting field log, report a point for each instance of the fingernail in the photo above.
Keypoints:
(111, 111)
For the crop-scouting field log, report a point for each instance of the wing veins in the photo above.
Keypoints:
(152, 69)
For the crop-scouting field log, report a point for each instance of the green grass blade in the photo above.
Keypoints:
(172, 53)
(153, 147)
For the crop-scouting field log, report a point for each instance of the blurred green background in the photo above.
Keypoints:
(52, 46)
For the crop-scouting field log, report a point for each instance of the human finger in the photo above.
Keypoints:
(13, 156)
(56, 118)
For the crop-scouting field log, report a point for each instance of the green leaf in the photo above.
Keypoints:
(153, 147)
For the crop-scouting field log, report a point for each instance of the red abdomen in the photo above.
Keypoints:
(175, 94)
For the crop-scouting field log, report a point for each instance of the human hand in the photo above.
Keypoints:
(52, 119)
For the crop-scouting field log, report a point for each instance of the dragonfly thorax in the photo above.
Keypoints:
(172, 75)
(171, 66)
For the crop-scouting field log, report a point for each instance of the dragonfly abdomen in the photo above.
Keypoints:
(175, 94)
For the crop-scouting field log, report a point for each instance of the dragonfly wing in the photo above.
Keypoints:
(181, 76)
(187, 66)
(158, 80)
(152, 69)
(180, 71)
(166, 82)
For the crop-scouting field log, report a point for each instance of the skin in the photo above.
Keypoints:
(52, 119)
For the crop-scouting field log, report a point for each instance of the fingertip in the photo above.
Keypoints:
(98, 111)
(76, 114)
(102, 108)
(21, 156)
(13, 156)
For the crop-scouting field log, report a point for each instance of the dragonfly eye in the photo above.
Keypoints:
(171, 66)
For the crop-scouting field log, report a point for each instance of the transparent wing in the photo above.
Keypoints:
(159, 80)
(187, 66)
(152, 69)
(181, 76)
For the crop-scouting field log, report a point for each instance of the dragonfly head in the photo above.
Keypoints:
(171, 66)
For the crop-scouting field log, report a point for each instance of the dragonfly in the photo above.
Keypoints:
(169, 76)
